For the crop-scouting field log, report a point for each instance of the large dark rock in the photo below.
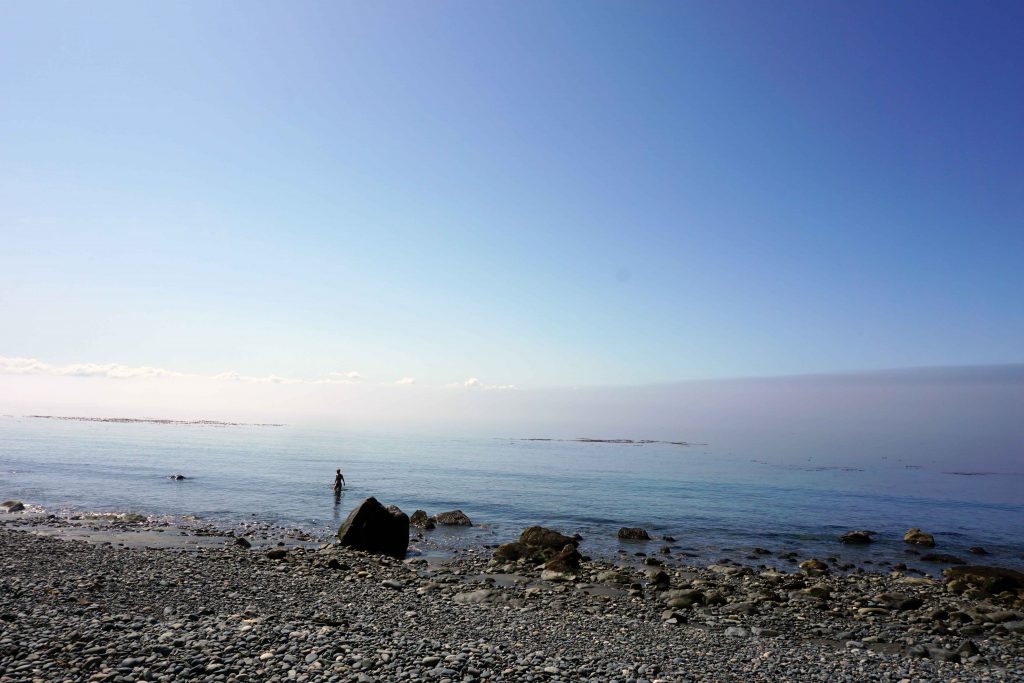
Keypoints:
(918, 537)
(564, 566)
(990, 579)
(453, 518)
(536, 544)
(540, 537)
(857, 537)
(12, 506)
(377, 529)
(634, 534)
(422, 520)
(566, 561)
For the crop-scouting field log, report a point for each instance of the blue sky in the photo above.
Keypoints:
(531, 193)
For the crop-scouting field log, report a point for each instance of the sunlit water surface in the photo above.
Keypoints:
(714, 504)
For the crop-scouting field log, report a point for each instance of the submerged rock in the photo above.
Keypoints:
(814, 567)
(453, 518)
(634, 534)
(857, 537)
(942, 558)
(377, 529)
(918, 537)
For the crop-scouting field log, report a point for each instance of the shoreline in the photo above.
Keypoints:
(210, 608)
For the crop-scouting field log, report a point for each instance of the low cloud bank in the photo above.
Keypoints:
(929, 415)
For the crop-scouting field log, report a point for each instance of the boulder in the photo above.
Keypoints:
(857, 537)
(990, 579)
(540, 537)
(536, 544)
(377, 529)
(563, 566)
(421, 520)
(634, 534)
(683, 597)
(453, 518)
(12, 506)
(242, 542)
(918, 537)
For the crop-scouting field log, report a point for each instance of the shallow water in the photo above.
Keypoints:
(715, 505)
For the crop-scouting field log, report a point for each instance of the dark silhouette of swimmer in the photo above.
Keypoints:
(339, 481)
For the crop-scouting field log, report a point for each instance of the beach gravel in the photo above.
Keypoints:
(72, 610)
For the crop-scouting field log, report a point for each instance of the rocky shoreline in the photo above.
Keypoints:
(264, 609)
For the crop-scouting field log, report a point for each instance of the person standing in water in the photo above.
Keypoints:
(339, 481)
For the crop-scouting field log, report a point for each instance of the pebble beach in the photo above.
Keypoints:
(102, 607)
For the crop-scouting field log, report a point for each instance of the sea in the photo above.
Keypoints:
(715, 505)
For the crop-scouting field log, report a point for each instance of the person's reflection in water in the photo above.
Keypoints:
(337, 504)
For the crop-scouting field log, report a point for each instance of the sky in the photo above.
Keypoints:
(504, 196)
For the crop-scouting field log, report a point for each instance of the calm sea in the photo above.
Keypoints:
(715, 504)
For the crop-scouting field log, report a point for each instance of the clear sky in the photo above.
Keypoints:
(539, 194)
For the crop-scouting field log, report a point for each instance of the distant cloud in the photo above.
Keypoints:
(474, 383)
(406, 381)
(32, 366)
(345, 376)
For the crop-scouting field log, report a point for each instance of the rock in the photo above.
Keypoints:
(857, 537)
(565, 564)
(242, 542)
(899, 601)
(177, 477)
(453, 518)
(918, 537)
(12, 506)
(977, 550)
(539, 537)
(1000, 616)
(633, 534)
(942, 558)
(420, 520)
(392, 583)
(683, 597)
(814, 567)
(658, 578)
(536, 545)
(613, 576)
(990, 579)
(277, 554)
(672, 617)
(377, 529)
(746, 608)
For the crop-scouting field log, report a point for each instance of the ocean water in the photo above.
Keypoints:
(716, 505)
